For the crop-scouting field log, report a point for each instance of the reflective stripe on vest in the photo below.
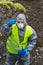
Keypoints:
(13, 41)
(13, 48)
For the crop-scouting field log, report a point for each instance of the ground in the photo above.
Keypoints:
(34, 17)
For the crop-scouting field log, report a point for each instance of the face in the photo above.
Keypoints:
(20, 23)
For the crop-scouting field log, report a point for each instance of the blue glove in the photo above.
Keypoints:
(26, 51)
(23, 52)
(12, 21)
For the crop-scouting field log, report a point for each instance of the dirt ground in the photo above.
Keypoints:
(34, 17)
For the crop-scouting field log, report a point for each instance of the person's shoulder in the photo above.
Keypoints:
(29, 27)
(14, 25)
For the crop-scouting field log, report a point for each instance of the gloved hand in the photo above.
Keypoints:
(26, 51)
(23, 52)
(12, 21)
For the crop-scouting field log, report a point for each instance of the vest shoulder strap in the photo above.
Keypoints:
(14, 26)
(29, 30)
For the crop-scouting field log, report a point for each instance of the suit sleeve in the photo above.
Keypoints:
(5, 29)
(32, 40)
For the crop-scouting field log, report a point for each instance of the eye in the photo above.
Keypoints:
(22, 21)
(18, 21)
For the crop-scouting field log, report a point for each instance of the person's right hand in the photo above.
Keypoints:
(12, 21)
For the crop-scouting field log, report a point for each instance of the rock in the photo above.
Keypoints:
(38, 54)
(35, 61)
(9, 15)
(41, 49)
(35, 57)
(0, 34)
(0, 57)
(1, 42)
(34, 14)
(3, 12)
(4, 54)
(2, 15)
(41, 7)
(27, 17)
(36, 50)
(29, 7)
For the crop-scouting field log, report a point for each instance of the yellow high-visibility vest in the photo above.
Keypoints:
(13, 41)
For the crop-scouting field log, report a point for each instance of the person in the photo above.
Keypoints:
(20, 42)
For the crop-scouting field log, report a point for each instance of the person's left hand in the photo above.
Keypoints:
(23, 52)
(26, 51)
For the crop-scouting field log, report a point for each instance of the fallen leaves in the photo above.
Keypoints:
(0, 34)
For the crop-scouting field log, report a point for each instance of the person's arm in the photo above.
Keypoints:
(5, 29)
(32, 41)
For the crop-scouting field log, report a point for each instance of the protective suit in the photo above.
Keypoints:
(11, 58)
